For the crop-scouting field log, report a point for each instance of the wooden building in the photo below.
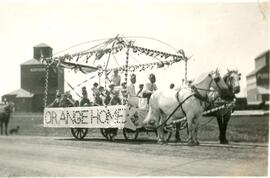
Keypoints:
(30, 97)
(258, 81)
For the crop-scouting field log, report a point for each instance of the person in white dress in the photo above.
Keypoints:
(150, 87)
(116, 78)
(132, 96)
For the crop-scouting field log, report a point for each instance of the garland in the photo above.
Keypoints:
(118, 45)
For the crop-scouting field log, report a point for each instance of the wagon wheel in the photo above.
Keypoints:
(183, 124)
(167, 134)
(130, 134)
(104, 134)
(112, 132)
(79, 133)
(151, 134)
(109, 133)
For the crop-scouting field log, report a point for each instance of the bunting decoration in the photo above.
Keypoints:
(99, 53)
(113, 46)
(143, 67)
(132, 68)
(160, 65)
(83, 68)
(126, 72)
(155, 53)
(120, 44)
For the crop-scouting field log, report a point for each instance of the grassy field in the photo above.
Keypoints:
(240, 128)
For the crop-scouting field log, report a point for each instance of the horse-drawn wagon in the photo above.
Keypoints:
(108, 118)
(178, 106)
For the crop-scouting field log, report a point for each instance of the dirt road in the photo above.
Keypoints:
(51, 156)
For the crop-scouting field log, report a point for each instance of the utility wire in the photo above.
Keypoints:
(154, 40)
(79, 44)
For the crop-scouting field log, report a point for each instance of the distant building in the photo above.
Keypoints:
(30, 97)
(258, 81)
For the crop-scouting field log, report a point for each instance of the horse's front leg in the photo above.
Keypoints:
(160, 130)
(160, 134)
(177, 132)
(193, 123)
(196, 127)
(1, 125)
(190, 130)
(219, 121)
(222, 123)
(6, 128)
(226, 119)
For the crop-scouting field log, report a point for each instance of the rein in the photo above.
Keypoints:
(198, 95)
(179, 105)
(227, 106)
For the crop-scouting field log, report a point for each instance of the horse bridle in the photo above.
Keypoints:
(227, 78)
(209, 90)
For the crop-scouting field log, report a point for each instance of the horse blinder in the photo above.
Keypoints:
(217, 79)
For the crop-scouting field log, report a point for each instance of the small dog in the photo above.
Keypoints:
(15, 130)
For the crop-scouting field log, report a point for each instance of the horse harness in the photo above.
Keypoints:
(195, 94)
(179, 105)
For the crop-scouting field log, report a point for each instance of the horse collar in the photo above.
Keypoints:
(198, 95)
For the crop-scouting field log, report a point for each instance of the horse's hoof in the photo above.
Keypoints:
(177, 140)
(191, 143)
(111, 137)
(161, 142)
(225, 142)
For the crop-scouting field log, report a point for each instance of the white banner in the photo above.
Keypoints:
(86, 117)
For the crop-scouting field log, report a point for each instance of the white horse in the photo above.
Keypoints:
(186, 102)
(231, 86)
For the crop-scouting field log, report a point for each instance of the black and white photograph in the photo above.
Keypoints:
(115, 88)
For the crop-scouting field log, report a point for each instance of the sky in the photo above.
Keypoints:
(216, 35)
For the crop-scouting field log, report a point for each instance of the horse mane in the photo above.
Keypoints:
(225, 77)
(201, 78)
(233, 71)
